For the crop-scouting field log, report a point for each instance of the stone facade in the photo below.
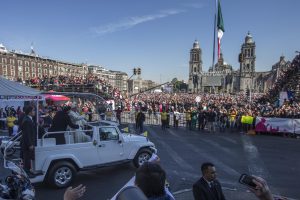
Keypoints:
(21, 66)
(223, 78)
(116, 79)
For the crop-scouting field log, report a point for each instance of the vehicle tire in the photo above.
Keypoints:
(61, 174)
(142, 156)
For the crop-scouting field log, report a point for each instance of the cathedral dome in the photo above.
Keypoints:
(196, 45)
(248, 39)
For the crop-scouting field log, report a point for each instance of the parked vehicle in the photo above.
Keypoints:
(58, 164)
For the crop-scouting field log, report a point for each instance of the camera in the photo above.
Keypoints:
(247, 180)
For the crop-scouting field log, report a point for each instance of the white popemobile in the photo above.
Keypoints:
(58, 164)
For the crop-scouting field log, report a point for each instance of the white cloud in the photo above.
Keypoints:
(194, 5)
(132, 21)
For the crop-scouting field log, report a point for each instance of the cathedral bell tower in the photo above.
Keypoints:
(247, 64)
(195, 68)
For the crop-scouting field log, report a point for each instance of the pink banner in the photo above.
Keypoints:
(274, 125)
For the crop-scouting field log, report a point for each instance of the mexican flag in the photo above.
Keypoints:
(220, 26)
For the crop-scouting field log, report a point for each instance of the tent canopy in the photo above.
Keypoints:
(14, 90)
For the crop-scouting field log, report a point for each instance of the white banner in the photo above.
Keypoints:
(280, 125)
(297, 126)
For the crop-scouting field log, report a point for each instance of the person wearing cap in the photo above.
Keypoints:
(76, 118)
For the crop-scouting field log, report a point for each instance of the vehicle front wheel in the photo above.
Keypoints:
(142, 156)
(61, 174)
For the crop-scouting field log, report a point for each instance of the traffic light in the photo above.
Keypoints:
(247, 92)
(139, 71)
(134, 71)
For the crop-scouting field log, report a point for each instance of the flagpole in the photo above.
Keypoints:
(215, 28)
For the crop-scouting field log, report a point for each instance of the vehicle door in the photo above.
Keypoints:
(110, 146)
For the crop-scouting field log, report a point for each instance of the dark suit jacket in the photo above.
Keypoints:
(60, 123)
(28, 133)
(202, 191)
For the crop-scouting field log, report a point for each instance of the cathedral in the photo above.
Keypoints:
(222, 78)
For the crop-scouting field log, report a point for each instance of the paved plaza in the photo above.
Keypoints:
(182, 151)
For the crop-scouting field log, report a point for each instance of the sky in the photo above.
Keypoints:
(155, 35)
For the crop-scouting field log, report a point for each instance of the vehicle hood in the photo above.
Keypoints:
(134, 138)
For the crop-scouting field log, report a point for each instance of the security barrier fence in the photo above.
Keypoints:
(155, 119)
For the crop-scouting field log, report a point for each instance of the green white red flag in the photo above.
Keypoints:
(220, 26)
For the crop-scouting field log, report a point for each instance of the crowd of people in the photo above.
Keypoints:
(181, 102)
(63, 82)
(288, 80)
(228, 109)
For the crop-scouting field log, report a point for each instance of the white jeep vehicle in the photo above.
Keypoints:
(58, 164)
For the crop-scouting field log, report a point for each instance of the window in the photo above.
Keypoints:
(33, 75)
(4, 60)
(248, 67)
(33, 64)
(39, 70)
(33, 69)
(27, 75)
(4, 69)
(26, 63)
(12, 61)
(39, 65)
(45, 71)
(26, 69)
(20, 62)
(108, 133)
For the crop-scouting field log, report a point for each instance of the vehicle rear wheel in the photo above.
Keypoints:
(142, 156)
(61, 174)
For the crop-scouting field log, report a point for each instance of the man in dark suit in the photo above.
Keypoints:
(208, 187)
(60, 123)
(28, 140)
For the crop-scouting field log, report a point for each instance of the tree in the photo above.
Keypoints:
(174, 80)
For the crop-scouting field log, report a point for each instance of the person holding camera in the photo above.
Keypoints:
(258, 186)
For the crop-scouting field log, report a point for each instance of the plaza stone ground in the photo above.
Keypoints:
(182, 151)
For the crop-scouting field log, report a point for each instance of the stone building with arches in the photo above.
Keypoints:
(223, 78)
